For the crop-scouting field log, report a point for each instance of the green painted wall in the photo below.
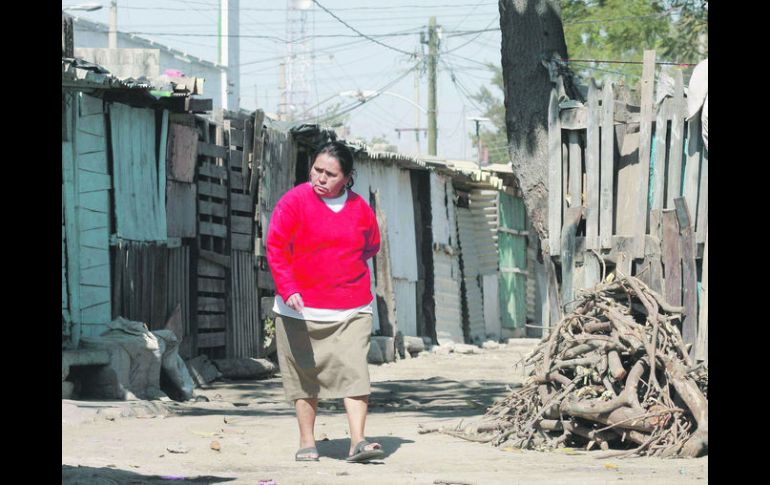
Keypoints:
(513, 255)
(86, 186)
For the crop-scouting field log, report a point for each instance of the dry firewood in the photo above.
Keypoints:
(697, 444)
(550, 425)
(597, 326)
(587, 361)
(617, 370)
(589, 433)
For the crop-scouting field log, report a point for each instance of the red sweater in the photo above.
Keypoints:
(319, 253)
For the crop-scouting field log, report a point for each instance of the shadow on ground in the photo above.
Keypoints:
(338, 449)
(433, 397)
(86, 475)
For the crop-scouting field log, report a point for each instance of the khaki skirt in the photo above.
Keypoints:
(324, 360)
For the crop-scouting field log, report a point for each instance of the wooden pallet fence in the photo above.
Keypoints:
(211, 308)
(239, 137)
(212, 190)
(639, 174)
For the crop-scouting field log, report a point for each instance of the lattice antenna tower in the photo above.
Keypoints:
(295, 85)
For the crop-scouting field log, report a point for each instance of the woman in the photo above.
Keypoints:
(321, 234)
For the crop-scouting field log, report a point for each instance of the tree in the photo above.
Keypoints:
(531, 34)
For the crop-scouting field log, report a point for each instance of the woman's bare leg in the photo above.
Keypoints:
(306, 412)
(356, 408)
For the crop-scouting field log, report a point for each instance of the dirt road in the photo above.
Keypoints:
(255, 431)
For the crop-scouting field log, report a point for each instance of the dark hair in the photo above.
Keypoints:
(341, 153)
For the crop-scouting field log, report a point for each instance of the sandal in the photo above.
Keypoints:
(362, 455)
(306, 454)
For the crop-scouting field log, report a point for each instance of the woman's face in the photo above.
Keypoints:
(327, 177)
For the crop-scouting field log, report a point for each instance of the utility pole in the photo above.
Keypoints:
(113, 35)
(432, 61)
(229, 50)
(416, 111)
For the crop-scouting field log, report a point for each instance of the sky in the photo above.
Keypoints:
(343, 59)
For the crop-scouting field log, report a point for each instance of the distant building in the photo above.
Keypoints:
(143, 57)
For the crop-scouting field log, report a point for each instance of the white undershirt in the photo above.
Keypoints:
(321, 314)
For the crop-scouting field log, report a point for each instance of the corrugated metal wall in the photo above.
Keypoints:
(87, 207)
(243, 333)
(139, 173)
(468, 232)
(446, 265)
(395, 186)
(483, 205)
(178, 292)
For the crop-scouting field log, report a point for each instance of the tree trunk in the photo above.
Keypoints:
(531, 33)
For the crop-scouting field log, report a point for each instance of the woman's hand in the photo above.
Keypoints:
(295, 303)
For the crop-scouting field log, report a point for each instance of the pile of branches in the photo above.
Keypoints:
(614, 373)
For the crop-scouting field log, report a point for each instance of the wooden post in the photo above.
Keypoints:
(592, 168)
(689, 273)
(575, 170)
(645, 138)
(554, 175)
(701, 225)
(659, 178)
(672, 260)
(678, 108)
(702, 347)
(608, 167)
(571, 221)
(692, 168)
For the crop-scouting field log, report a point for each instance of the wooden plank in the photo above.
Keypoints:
(592, 169)
(622, 246)
(659, 159)
(211, 340)
(212, 229)
(675, 152)
(242, 202)
(208, 268)
(672, 259)
(210, 150)
(241, 225)
(211, 321)
(198, 105)
(180, 209)
(258, 147)
(265, 280)
(692, 167)
(93, 162)
(702, 347)
(574, 195)
(215, 258)
(211, 285)
(554, 175)
(701, 226)
(689, 273)
(237, 136)
(628, 186)
(211, 170)
(212, 209)
(182, 150)
(248, 148)
(236, 181)
(241, 242)
(592, 269)
(212, 190)
(93, 182)
(645, 139)
(266, 307)
(571, 221)
(233, 121)
(607, 168)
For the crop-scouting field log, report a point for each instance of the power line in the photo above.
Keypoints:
(410, 54)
